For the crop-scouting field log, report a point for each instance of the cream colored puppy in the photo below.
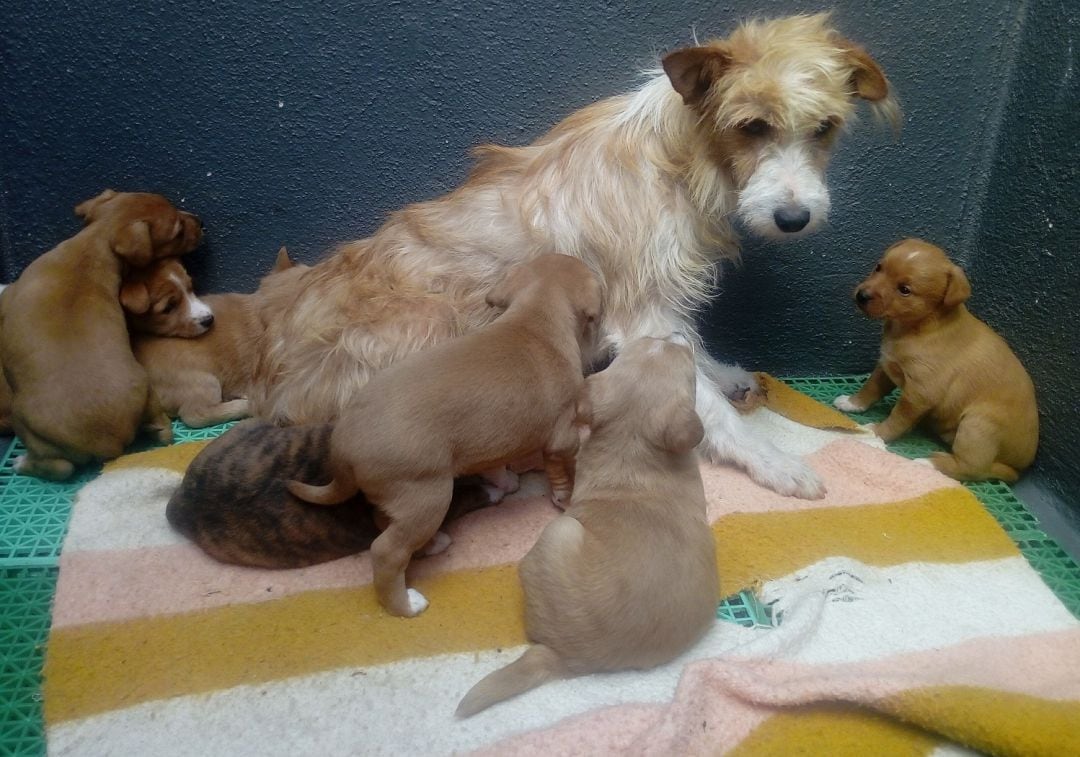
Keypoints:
(626, 577)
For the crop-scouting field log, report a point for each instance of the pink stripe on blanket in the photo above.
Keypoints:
(1044, 665)
(854, 474)
(112, 585)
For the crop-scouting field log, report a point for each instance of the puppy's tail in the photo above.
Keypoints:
(537, 666)
(334, 493)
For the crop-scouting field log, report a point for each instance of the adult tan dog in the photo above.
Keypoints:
(78, 393)
(206, 380)
(953, 371)
(468, 406)
(626, 577)
(642, 187)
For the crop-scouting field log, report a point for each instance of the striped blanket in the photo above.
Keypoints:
(905, 622)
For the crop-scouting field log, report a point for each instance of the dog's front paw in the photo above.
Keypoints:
(438, 543)
(740, 387)
(845, 403)
(788, 475)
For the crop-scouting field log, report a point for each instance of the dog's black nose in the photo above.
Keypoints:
(862, 297)
(791, 219)
(207, 321)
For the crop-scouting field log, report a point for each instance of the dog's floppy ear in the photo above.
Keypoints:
(135, 297)
(957, 287)
(503, 293)
(88, 210)
(869, 83)
(675, 425)
(282, 262)
(133, 244)
(692, 70)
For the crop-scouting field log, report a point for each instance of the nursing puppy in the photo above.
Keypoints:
(234, 505)
(468, 406)
(626, 577)
(642, 187)
(204, 381)
(78, 393)
(954, 373)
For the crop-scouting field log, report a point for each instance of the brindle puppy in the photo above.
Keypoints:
(234, 505)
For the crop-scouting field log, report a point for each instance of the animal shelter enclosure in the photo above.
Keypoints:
(307, 124)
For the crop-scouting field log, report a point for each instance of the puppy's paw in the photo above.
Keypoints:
(870, 428)
(495, 494)
(439, 542)
(417, 603)
(845, 403)
(924, 461)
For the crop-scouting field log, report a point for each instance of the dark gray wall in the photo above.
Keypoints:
(304, 123)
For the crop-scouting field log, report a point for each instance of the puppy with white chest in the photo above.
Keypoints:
(954, 372)
(469, 405)
(78, 393)
(203, 380)
(626, 577)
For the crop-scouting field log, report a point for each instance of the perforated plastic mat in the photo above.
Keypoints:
(34, 516)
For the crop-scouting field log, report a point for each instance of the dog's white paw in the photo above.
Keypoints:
(495, 494)
(870, 428)
(417, 603)
(738, 385)
(843, 402)
(19, 462)
(439, 542)
(789, 476)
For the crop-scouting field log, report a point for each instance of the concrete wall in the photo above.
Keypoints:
(305, 123)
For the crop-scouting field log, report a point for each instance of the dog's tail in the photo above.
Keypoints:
(537, 666)
(333, 493)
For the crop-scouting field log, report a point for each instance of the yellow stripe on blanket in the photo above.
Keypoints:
(837, 731)
(101, 667)
(999, 722)
(948, 525)
(796, 406)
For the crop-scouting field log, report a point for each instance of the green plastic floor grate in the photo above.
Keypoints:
(34, 517)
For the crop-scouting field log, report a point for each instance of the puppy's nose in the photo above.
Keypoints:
(862, 297)
(207, 321)
(791, 218)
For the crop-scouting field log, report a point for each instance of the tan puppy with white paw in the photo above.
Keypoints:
(626, 577)
(78, 393)
(954, 373)
(469, 405)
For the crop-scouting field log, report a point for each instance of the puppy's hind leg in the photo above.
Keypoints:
(416, 511)
(973, 452)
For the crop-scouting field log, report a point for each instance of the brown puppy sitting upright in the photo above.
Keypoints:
(626, 577)
(953, 371)
(78, 393)
(205, 380)
(469, 405)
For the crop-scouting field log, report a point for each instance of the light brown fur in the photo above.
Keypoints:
(641, 187)
(955, 374)
(471, 405)
(204, 381)
(627, 576)
(160, 300)
(78, 393)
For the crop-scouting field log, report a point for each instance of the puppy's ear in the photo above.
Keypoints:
(135, 297)
(282, 262)
(503, 293)
(957, 287)
(88, 210)
(692, 70)
(678, 427)
(133, 244)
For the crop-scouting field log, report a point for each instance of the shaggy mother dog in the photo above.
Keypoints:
(642, 187)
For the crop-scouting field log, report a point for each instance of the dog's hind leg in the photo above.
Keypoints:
(416, 510)
(973, 452)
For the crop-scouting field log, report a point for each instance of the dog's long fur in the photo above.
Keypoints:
(626, 577)
(642, 187)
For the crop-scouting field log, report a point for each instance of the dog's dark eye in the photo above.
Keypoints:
(824, 128)
(878, 268)
(904, 289)
(169, 307)
(756, 127)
